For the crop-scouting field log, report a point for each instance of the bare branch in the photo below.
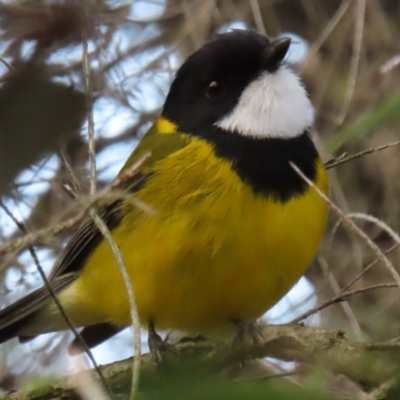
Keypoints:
(290, 342)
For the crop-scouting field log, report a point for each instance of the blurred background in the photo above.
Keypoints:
(348, 54)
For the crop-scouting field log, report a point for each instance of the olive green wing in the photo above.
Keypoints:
(156, 146)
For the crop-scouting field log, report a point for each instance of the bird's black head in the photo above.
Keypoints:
(209, 85)
(236, 93)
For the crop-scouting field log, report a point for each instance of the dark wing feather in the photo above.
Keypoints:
(85, 241)
(93, 336)
(88, 236)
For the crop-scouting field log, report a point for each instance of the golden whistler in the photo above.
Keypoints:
(233, 226)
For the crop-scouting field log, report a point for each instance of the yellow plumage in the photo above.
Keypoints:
(212, 251)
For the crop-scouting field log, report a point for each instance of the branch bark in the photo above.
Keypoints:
(370, 365)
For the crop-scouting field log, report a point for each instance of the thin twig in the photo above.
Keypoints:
(345, 306)
(129, 173)
(104, 230)
(76, 186)
(89, 106)
(258, 21)
(343, 159)
(355, 60)
(22, 243)
(7, 64)
(344, 296)
(356, 247)
(368, 267)
(357, 252)
(383, 226)
(131, 298)
(330, 26)
(370, 218)
(350, 223)
(390, 64)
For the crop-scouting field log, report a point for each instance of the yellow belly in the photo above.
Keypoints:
(211, 252)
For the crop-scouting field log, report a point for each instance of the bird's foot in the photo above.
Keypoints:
(248, 336)
(247, 333)
(157, 345)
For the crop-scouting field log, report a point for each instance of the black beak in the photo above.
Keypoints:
(276, 52)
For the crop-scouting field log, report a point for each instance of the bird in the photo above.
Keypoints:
(229, 226)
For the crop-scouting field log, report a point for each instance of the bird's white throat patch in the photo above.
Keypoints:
(275, 105)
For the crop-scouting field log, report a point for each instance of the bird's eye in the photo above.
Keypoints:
(215, 90)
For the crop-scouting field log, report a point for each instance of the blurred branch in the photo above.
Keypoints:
(335, 287)
(370, 365)
(113, 191)
(40, 236)
(37, 115)
(89, 115)
(359, 13)
(329, 27)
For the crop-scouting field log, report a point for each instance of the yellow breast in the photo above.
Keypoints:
(212, 251)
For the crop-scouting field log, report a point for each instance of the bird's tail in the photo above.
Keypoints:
(16, 316)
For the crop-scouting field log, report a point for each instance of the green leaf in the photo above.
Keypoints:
(387, 113)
